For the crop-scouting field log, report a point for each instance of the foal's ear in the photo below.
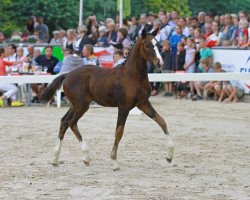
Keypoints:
(143, 33)
(154, 33)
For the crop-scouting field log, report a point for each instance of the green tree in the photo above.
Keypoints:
(219, 7)
(6, 24)
(179, 5)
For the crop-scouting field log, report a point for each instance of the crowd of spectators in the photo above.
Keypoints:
(184, 42)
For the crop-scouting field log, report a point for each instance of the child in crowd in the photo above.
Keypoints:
(190, 65)
(199, 85)
(214, 88)
(118, 58)
(181, 87)
(205, 52)
(167, 57)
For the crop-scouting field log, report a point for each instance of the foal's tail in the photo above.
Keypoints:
(51, 89)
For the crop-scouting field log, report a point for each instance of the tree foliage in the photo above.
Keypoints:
(64, 14)
(219, 7)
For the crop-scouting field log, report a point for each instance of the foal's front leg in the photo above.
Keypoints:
(148, 109)
(122, 117)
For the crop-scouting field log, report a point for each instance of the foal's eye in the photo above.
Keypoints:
(147, 45)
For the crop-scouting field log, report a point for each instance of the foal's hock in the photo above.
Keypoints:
(125, 87)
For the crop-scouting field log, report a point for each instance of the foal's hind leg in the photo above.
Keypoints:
(122, 117)
(148, 109)
(84, 146)
(63, 127)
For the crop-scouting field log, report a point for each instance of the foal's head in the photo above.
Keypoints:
(148, 48)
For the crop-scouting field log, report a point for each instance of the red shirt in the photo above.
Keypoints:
(3, 64)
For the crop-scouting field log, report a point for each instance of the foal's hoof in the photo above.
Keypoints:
(169, 160)
(116, 168)
(55, 164)
(86, 163)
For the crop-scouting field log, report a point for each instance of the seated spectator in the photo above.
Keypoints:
(9, 90)
(199, 85)
(62, 36)
(89, 57)
(70, 43)
(101, 39)
(82, 38)
(167, 57)
(122, 39)
(20, 57)
(111, 35)
(55, 39)
(118, 58)
(70, 61)
(48, 63)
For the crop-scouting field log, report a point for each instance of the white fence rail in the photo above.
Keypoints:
(166, 77)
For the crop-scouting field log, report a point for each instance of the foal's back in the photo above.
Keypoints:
(107, 87)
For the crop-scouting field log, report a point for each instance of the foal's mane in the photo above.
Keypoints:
(132, 48)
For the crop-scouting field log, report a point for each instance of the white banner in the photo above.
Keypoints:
(233, 60)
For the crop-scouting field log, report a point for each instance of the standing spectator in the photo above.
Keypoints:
(42, 30)
(167, 57)
(208, 17)
(227, 31)
(133, 26)
(242, 35)
(190, 65)
(166, 29)
(208, 29)
(215, 38)
(174, 40)
(70, 43)
(82, 38)
(30, 26)
(94, 35)
(234, 38)
(222, 21)
(91, 21)
(89, 57)
(143, 24)
(183, 24)
(243, 15)
(1, 37)
(205, 52)
(191, 31)
(201, 21)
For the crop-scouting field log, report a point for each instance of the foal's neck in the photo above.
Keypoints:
(136, 65)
